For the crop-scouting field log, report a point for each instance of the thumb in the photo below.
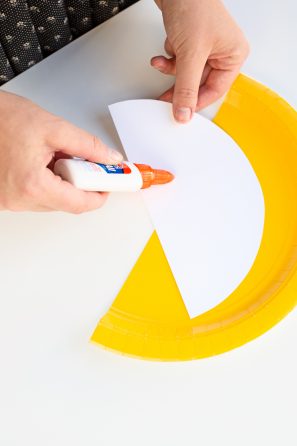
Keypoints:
(189, 71)
(74, 141)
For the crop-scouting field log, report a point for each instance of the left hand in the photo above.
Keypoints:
(207, 49)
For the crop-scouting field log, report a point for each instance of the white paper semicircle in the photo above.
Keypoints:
(210, 218)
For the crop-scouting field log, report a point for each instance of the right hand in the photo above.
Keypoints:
(31, 139)
(206, 49)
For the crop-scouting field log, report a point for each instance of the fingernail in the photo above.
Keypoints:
(115, 156)
(183, 114)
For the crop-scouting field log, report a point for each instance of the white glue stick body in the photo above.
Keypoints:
(126, 177)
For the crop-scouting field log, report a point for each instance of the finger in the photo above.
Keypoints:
(189, 71)
(205, 74)
(167, 95)
(164, 65)
(35, 208)
(40, 209)
(74, 141)
(168, 47)
(168, 66)
(216, 85)
(63, 196)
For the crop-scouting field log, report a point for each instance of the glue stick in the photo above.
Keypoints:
(126, 177)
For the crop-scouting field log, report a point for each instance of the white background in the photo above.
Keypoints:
(60, 272)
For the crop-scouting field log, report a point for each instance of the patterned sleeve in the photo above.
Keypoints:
(32, 29)
(51, 23)
(104, 9)
(80, 16)
(6, 72)
(18, 36)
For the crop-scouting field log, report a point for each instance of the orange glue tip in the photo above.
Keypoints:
(153, 176)
(162, 176)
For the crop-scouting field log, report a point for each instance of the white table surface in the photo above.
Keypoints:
(59, 273)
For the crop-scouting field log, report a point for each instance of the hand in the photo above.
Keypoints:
(207, 50)
(30, 140)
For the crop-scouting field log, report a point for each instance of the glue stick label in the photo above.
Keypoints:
(117, 169)
(100, 177)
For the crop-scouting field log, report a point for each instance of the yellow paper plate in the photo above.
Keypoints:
(148, 318)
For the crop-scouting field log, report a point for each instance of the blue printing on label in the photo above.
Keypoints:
(111, 168)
